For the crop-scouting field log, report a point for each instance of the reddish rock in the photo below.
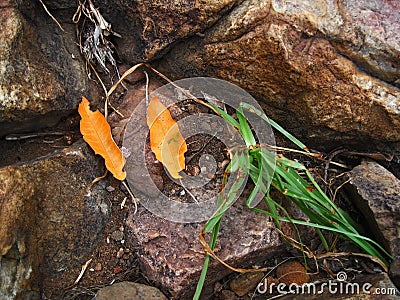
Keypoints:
(318, 67)
(292, 272)
(172, 257)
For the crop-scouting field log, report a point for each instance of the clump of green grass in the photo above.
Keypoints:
(259, 162)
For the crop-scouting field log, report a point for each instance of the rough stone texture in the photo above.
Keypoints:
(167, 22)
(48, 220)
(326, 69)
(394, 272)
(129, 290)
(40, 81)
(292, 272)
(172, 257)
(246, 283)
(380, 288)
(376, 192)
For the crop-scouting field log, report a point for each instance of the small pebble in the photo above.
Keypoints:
(112, 262)
(98, 267)
(110, 188)
(117, 235)
(292, 272)
(120, 253)
(125, 152)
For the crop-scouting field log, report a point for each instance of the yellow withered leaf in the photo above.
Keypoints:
(166, 141)
(97, 133)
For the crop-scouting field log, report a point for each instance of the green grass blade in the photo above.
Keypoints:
(225, 115)
(204, 270)
(245, 130)
(275, 125)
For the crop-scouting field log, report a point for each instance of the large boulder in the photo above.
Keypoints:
(375, 191)
(49, 221)
(172, 257)
(42, 77)
(327, 70)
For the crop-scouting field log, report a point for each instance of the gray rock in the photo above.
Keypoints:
(129, 291)
(49, 221)
(376, 192)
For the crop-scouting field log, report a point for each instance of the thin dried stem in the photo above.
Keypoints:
(51, 16)
(147, 88)
(132, 196)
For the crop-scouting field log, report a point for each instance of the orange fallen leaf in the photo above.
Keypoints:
(97, 133)
(166, 141)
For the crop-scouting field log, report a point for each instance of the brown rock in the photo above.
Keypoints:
(292, 272)
(394, 272)
(49, 221)
(166, 23)
(375, 191)
(129, 290)
(227, 295)
(132, 98)
(304, 61)
(246, 283)
(98, 267)
(328, 71)
(120, 253)
(117, 235)
(40, 81)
